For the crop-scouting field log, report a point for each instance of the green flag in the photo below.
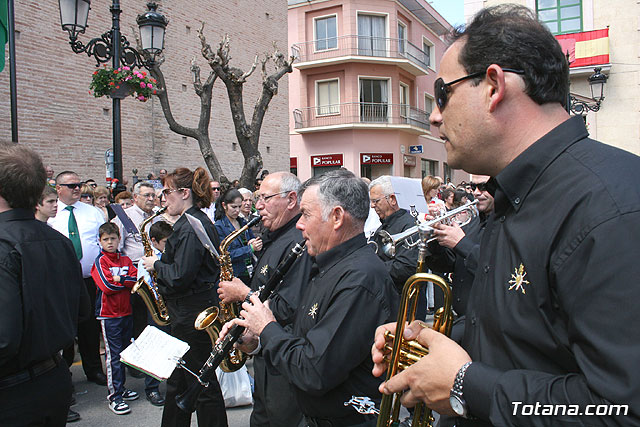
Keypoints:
(4, 30)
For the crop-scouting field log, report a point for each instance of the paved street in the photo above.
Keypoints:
(93, 407)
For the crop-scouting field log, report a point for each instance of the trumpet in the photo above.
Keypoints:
(404, 353)
(424, 231)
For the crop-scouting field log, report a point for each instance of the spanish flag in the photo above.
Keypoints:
(586, 48)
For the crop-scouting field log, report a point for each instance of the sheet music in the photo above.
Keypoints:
(154, 352)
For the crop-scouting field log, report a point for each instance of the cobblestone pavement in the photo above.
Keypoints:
(94, 411)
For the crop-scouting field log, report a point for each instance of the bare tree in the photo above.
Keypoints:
(247, 134)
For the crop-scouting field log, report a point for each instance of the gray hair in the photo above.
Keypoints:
(245, 191)
(136, 188)
(385, 185)
(288, 183)
(340, 188)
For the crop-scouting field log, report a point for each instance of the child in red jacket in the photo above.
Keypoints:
(114, 275)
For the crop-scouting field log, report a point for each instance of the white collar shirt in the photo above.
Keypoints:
(130, 243)
(89, 219)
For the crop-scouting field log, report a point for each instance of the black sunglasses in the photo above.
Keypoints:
(73, 185)
(481, 186)
(441, 89)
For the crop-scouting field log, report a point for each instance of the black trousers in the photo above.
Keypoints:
(210, 409)
(275, 403)
(88, 338)
(42, 401)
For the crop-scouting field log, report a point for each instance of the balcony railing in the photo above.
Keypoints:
(362, 113)
(379, 47)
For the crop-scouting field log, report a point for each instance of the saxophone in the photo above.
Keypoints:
(148, 291)
(213, 319)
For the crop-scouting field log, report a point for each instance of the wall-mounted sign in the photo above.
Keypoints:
(409, 160)
(376, 158)
(415, 149)
(326, 160)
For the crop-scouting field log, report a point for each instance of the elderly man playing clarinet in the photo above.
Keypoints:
(325, 357)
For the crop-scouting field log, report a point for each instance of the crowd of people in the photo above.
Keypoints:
(551, 247)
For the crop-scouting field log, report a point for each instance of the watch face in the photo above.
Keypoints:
(457, 405)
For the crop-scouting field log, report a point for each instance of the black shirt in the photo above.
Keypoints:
(40, 286)
(275, 246)
(461, 261)
(186, 266)
(403, 264)
(553, 316)
(327, 358)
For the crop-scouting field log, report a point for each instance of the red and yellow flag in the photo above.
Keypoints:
(586, 48)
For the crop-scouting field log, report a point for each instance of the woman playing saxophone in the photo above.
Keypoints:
(186, 275)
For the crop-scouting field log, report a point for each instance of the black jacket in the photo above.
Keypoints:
(327, 357)
(403, 264)
(186, 266)
(552, 316)
(275, 246)
(40, 288)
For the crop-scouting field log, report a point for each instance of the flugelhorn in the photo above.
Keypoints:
(404, 353)
(462, 216)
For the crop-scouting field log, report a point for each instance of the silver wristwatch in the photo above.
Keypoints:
(456, 400)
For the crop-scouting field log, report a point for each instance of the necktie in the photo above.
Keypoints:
(74, 234)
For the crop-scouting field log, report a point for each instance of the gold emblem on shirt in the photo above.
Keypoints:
(313, 311)
(264, 269)
(518, 279)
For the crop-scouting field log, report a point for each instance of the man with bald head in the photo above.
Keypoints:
(278, 203)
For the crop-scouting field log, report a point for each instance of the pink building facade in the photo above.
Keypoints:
(362, 88)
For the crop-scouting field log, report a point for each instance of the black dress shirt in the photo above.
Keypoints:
(403, 264)
(186, 266)
(327, 358)
(552, 317)
(275, 246)
(461, 261)
(40, 289)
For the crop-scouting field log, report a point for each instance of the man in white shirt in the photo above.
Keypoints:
(80, 222)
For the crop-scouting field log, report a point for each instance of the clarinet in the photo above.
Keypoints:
(187, 400)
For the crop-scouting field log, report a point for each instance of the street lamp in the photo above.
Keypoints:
(597, 82)
(113, 46)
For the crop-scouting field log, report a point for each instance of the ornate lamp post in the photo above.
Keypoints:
(597, 82)
(114, 46)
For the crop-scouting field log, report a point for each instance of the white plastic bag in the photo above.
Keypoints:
(236, 387)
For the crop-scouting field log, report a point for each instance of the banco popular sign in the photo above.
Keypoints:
(376, 158)
(326, 160)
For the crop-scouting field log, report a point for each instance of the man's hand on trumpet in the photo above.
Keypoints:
(430, 380)
(448, 235)
(232, 291)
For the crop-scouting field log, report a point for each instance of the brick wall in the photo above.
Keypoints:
(72, 130)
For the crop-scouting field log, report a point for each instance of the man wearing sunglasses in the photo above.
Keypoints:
(211, 210)
(80, 222)
(560, 246)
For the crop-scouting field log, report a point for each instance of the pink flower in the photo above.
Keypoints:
(143, 85)
(126, 68)
(149, 85)
(141, 98)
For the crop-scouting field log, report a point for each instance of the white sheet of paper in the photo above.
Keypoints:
(154, 352)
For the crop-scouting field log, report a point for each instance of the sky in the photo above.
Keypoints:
(451, 10)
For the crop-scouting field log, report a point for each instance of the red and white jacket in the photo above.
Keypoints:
(113, 299)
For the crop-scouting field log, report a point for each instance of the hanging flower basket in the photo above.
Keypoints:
(121, 90)
(122, 82)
